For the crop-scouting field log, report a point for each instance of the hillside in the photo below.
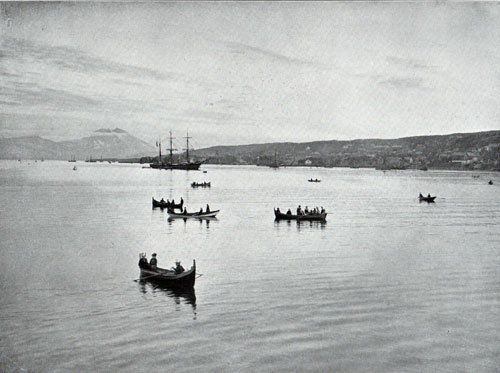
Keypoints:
(478, 150)
(105, 143)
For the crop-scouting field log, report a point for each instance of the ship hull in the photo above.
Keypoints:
(176, 166)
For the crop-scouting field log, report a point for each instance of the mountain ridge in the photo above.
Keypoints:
(104, 142)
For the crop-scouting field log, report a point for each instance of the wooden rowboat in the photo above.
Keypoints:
(168, 205)
(196, 215)
(426, 199)
(168, 277)
(203, 185)
(280, 216)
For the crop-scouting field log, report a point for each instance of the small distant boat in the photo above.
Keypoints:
(475, 176)
(314, 181)
(490, 182)
(275, 163)
(168, 204)
(280, 216)
(197, 215)
(168, 277)
(74, 168)
(204, 172)
(203, 185)
(421, 198)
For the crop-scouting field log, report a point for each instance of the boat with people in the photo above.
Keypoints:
(197, 215)
(314, 180)
(429, 199)
(490, 182)
(168, 204)
(305, 216)
(202, 185)
(168, 277)
(170, 164)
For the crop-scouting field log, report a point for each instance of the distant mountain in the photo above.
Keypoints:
(105, 143)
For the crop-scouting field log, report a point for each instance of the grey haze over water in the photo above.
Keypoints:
(254, 72)
(387, 284)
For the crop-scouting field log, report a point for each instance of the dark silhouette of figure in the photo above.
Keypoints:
(178, 268)
(153, 262)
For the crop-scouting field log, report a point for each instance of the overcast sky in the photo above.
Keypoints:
(237, 73)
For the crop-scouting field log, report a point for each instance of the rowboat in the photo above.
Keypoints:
(164, 204)
(196, 215)
(280, 216)
(426, 199)
(204, 184)
(168, 277)
(314, 181)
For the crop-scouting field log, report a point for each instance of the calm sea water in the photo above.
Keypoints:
(387, 284)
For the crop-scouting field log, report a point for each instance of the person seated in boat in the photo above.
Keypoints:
(184, 211)
(153, 262)
(208, 208)
(143, 261)
(201, 211)
(178, 267)
(289, 212)
(278, 210)
(306, 210)
(429, 195)
(420, 195)
(182, 201)
(162, 200)
(299, 210)
(322, 210)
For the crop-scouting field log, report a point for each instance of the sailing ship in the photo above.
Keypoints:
(170, 164)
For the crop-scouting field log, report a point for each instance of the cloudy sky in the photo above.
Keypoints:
(236, 73)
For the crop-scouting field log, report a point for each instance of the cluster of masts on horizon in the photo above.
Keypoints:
(171, 148)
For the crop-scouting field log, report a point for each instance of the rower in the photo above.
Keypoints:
(153, 262)
(208, 208)
(178, 267)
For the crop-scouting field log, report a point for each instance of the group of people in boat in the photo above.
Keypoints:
(421, 196)
(201, 212)
(204, 184)
(172, 202)
(306, 211)
(153, 263)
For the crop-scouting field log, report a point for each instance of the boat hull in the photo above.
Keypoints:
(195, 215)
(167, 205)
(176, 166)
(427, 199)
(281, 216)
(185, 280)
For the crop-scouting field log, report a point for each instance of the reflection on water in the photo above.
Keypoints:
(201, 220)
(187, 296)
(301, 224)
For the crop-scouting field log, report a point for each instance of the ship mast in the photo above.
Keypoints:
(159, 148)
(187, 146)
(171, 148)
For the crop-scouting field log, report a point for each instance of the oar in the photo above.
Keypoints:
(143, 278)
